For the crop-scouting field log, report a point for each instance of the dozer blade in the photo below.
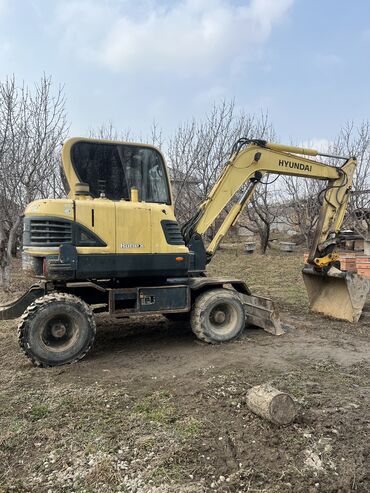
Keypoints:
(262, 312)
(15, 308)
(336, 293)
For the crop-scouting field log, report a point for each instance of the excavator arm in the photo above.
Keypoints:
(249, 162)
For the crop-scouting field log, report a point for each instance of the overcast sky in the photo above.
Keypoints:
(306, 62)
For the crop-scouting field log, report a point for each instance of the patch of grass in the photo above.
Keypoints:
(157, 407)
(39, 411)
(13, 428)
(165, 473)
(191, 428)
(103, 472)
(277, 275)
(146, 442)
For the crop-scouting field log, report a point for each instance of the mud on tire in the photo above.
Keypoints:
(218, 316)
(56, 329)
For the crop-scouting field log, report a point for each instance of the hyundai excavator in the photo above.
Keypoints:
(114, 245)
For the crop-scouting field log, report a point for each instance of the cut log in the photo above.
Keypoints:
(271, 404)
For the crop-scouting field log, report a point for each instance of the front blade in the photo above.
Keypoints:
(14, 309)
(337, 294)
(262, 312)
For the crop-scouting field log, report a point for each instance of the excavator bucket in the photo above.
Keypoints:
(262, 312)
(338, 294)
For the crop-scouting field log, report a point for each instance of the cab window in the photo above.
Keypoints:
(112, 170)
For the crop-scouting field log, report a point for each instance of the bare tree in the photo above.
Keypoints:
(108, 131)
(199, 150)
(32, 127)
(156, 135)
(262, 213)
(301, 205)
(355, 141)
(303, 198)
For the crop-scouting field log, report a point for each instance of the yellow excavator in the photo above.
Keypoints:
(114, 245)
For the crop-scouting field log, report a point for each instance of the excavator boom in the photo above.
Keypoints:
(330, 290)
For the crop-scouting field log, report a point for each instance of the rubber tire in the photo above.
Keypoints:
(200, 316)
(31, 327)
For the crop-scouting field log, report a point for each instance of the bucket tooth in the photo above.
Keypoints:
(337, 294)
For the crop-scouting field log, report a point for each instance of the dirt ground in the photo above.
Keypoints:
(153, 410)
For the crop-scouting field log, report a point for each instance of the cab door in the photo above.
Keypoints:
(133, 228)
(97, 220)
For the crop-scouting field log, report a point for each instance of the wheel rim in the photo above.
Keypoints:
(59, 333)
(223, 317)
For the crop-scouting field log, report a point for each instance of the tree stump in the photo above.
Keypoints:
(271, 404)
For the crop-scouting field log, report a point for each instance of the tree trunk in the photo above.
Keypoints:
(5, 272)
(271, 404)
(4, 265)
(6, 247)
(265, 237)
(12, 240)
(15, 247)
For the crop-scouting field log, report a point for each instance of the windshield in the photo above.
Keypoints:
(113, 169)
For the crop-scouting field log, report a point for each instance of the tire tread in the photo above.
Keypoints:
(30, 313)
(198, 311)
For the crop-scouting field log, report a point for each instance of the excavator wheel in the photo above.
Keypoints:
(218, 316)
(56, 329)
